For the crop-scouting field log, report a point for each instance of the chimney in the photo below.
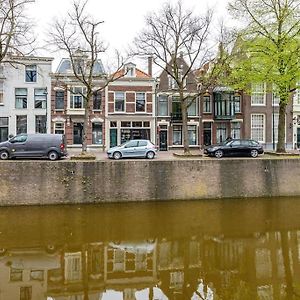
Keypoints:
(150, 65)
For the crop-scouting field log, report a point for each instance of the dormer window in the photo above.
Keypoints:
(30, 73)
(130, 70)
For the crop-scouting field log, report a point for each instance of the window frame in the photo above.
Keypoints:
(61, 97)
(42, 122)
(136, 102)
(263, 128)
(73, 95)
(21, 97)
(255, 93)
(207, 104)
(119, 100)
(42, 95)
(59, 129)
(26, 119)
(32, 70)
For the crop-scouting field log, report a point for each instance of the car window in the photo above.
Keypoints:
(131, 144)
(235, 143)
(254, 143)
(245, 143)
(142, 143)
(19, 139)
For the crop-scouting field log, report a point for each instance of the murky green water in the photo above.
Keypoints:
(223, 249)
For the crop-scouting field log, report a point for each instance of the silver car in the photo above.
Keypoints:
(133, 148)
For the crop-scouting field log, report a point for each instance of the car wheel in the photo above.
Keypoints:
(117, 155)
(219, 154)
(254, 153)
(150, 155)
(4, 155)
(53, 155)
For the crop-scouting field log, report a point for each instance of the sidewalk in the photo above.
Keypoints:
(101, 155)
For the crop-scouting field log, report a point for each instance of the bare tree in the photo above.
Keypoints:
(172, 33)
(16, 36)
(78, 36)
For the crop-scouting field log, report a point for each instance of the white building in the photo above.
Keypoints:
(24, 102)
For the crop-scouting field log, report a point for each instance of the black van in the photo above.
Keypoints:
(52, 146)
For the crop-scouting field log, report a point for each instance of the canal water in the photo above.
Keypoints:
(216, 249)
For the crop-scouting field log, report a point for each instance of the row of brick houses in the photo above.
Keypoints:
(33, 99)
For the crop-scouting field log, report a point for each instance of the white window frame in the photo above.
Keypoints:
(124, 109)
(63, 127)
(255, 92)
(73, 267)
(31, 68)
(73, 95)
(263, 128)
(145, 99)
(275, 96)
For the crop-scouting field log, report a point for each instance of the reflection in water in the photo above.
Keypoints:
(229, 250)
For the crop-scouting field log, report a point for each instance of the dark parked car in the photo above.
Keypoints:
(133, 148)
(52, 146)
(235, 147)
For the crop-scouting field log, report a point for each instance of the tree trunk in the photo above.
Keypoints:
(185, 132)
(85, 124)
(281, 127)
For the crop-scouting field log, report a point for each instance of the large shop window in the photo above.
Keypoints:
(221, 132)
(236, 130)
(192, 109)
(140, 104)
(59, 100)
(40, 124)
(177, 135)
(21, 124)
(258, 127)
(162, 105)
(135, 130)
(3, 129)
(21, 98)
(97, 133)
(192, 130)
(119, 101)
(76, 97)
(40, 98)
(258, 93)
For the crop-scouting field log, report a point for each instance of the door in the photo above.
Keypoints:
(298, 137)
(113, 137)
(130, 149)
(77, 133)
(206, 134)
(18, 146)
(163, 140)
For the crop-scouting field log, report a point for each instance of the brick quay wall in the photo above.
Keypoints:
(70, 182)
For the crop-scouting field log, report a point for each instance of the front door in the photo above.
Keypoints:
(163, 140)
(298, 137)
(113, 137)
(77, 133)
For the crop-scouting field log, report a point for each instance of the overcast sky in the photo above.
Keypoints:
(123, 19)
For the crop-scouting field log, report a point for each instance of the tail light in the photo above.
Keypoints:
(62, 146)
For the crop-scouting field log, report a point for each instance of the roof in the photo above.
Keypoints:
(65, 67)
(138, 74)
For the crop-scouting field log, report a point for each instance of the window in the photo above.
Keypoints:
(76, 95)
(140, 102)
(59, 100)
(258, 127)
(59, 128)
(162, 109)
(275, 96)
(192, 130)
(130, 71)
(40, 124)
(97, 133)
(37, 275)
(177, 135)
(3, 129)
(297, 94)
(16, 274)
(40, 98)
(206, 104)
(275, 120)
(237, 104)
(172, 83)
(26, 293)
(21, 124)
(19, 139)
(192, 109)
(120, 101)
(21, 98)
(236, 130)
(30, 73)
(176, 107)
(132, 144)
(221, 132)
(140, 261)
(258, 94)
(119, 260)
(73, 266)
(97, 100)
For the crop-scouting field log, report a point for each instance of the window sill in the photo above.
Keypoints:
(58, 109)
(97, 110)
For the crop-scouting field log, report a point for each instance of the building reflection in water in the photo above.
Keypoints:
(92, 253)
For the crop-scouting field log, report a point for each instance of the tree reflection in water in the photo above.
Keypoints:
(210, 250)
